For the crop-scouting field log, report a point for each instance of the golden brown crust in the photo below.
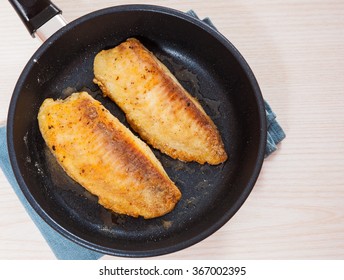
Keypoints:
(101, 154)
(156, 105)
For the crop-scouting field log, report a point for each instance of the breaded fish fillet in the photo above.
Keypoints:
(105, 157)
(156, 105)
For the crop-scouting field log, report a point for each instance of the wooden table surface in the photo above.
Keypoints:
(296, 50)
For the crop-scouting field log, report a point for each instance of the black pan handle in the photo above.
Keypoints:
(35, 13)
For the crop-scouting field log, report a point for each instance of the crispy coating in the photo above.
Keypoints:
(101, 154)
(157, 107)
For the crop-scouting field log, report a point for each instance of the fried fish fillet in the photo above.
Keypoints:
(105, 157)
(156, 105)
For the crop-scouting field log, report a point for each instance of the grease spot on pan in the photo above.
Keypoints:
(214, 107)
(25, 138)
(167, 224)
(39, 168)
(68, 91)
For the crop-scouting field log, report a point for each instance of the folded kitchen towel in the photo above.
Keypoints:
(62, 247)
(275, 133)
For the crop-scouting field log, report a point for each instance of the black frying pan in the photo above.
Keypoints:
(206, 64)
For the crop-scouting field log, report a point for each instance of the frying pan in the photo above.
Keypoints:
(205, 63)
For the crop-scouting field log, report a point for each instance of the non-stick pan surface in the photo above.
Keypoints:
(206, 64)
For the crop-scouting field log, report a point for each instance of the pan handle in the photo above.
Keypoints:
(37, 13)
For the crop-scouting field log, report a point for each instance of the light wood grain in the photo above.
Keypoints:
(296, 50)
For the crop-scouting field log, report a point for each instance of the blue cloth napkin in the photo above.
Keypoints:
(62, 247)
(275, 133)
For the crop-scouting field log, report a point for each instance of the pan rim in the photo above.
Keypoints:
(164, 250)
